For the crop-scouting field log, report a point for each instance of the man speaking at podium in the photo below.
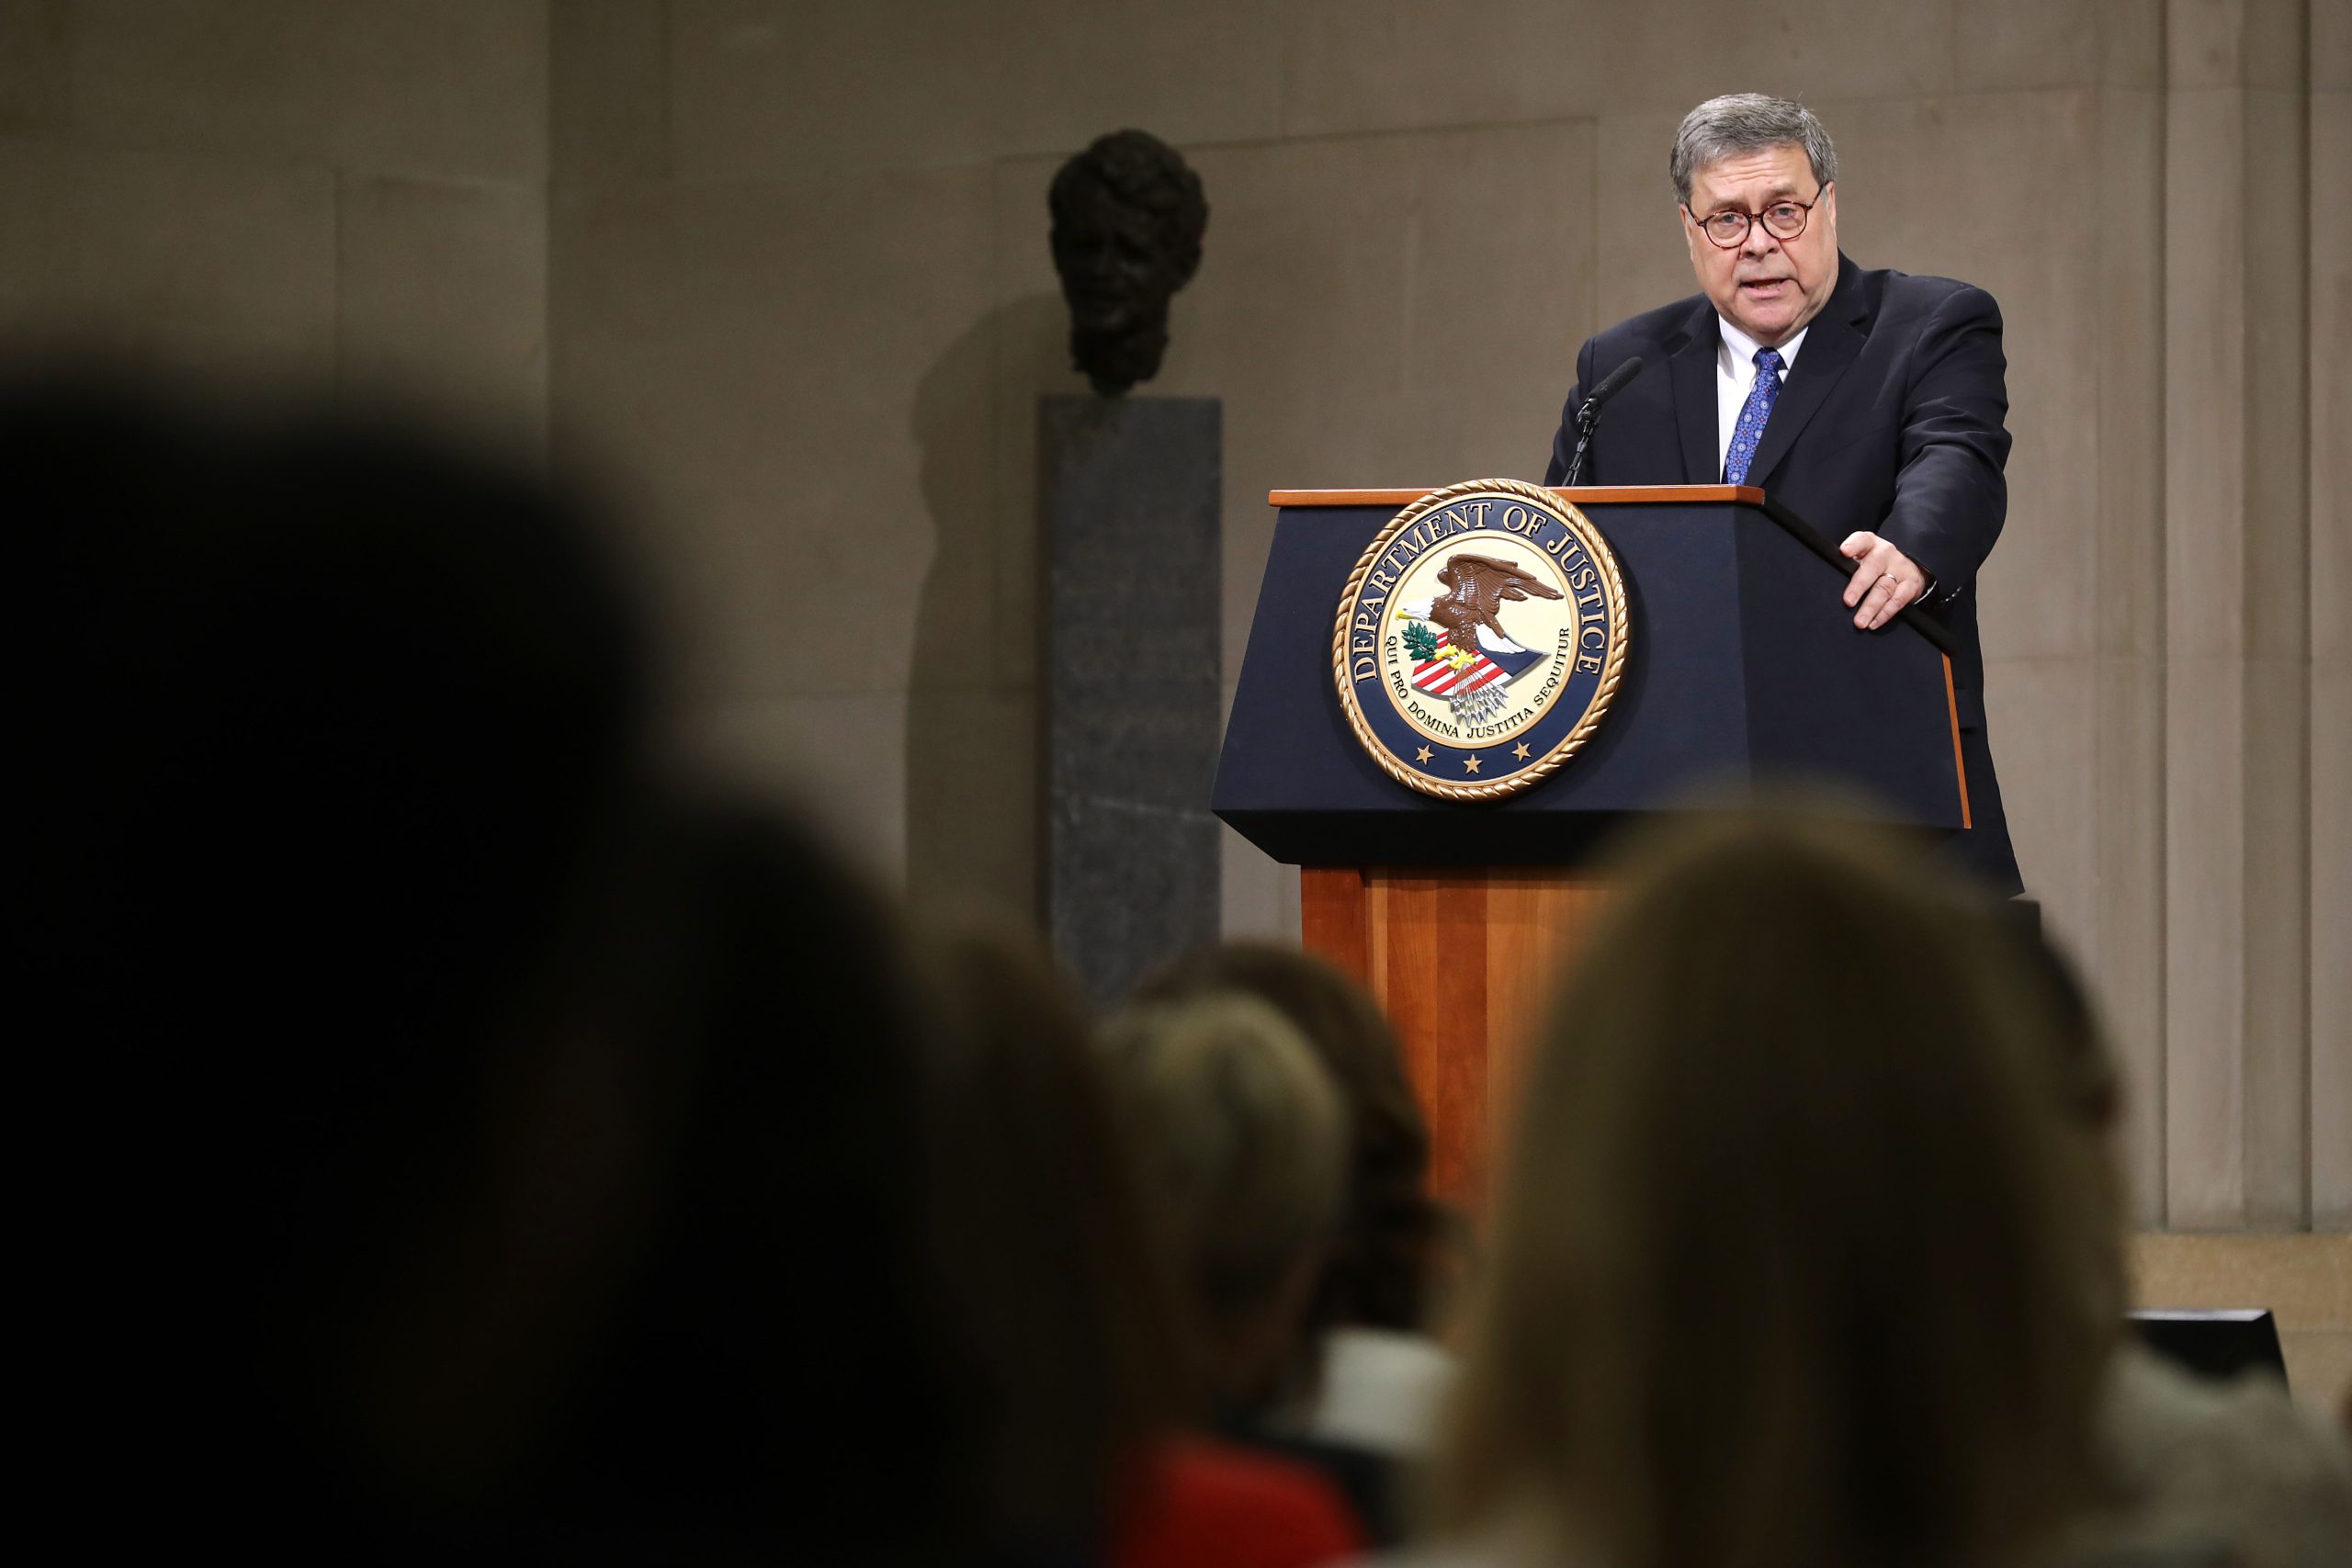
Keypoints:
(1869, 404)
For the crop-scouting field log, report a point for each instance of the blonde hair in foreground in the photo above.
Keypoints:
(1241, 1131)
(1797, 1260)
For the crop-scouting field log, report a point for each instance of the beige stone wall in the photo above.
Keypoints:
(800, 272)
(350, 191)
(783, 266)
(2330, 614)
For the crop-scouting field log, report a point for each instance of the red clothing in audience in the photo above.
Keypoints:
(1208, 1506)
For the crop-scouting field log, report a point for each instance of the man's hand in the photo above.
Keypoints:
(1886, 582)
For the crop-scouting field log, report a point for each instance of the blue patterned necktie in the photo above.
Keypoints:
(1752, 415)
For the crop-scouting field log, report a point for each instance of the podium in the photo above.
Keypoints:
(1744, 676)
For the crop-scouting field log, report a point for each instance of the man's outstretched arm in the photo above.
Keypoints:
(1950, 493)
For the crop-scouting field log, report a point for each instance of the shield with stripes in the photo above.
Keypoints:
(1472, 676)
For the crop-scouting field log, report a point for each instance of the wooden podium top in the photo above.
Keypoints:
(1597, 494)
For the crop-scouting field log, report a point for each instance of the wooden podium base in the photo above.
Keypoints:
(1465, 963)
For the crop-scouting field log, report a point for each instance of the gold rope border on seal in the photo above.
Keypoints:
(1612, 672)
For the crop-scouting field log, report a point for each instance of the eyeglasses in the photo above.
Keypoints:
(1784, 220)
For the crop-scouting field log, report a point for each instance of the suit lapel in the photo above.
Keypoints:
(1833, 343)
(1693, 363)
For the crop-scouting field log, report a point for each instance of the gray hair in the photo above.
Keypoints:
(1241, 1132)
(1746, 122)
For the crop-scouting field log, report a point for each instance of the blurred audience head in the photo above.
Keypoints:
(773, 1371)
(1242, 1134)
(350, 721)
(472, 1137)
(1797, 1261)
(1053, 1271)
(1391, 1231)
(2090, 1088)
(343, 730)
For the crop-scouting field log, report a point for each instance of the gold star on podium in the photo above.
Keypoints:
(1519, 750)
(1470, 764)
(1422, 756)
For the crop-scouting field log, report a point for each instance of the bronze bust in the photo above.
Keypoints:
(1129, 216)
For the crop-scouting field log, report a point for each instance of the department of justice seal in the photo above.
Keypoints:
(1480, 641)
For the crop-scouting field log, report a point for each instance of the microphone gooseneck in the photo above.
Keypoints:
(1589, 414)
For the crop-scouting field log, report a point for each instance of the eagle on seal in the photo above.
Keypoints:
(1477, 585)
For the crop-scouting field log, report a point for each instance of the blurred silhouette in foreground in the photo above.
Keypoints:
(1797, 1266)
(471, 1143)
(1361, 1394)
(2233, 1469)
(1057, 1271)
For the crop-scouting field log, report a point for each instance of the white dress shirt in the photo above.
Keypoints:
(1735, 377)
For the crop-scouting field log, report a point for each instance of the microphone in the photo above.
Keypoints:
(1589, 415)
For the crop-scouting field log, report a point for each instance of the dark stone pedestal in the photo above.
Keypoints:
(1130, 489)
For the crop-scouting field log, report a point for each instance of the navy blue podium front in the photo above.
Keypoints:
(1744, 675)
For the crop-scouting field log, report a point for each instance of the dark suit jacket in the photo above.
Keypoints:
(1891, 421)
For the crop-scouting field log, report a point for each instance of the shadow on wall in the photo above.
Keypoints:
(971, 781)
